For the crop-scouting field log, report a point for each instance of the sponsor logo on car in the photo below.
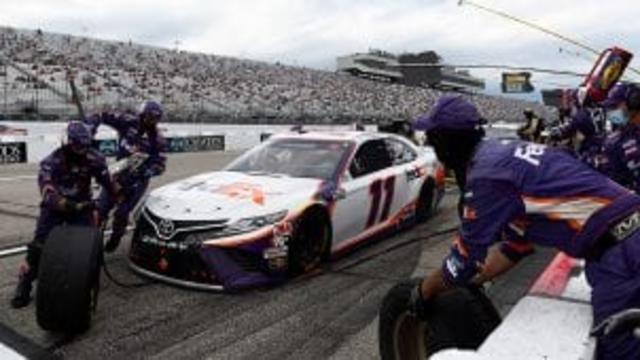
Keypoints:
(166, 228)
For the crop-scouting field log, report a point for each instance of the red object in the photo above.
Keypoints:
(555, 277)
(606, 72)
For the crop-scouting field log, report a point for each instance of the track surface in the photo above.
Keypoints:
(324, 315)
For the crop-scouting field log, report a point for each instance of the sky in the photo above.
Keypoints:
(312, 33)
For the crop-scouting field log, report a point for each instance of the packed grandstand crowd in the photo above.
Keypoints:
(111, 72)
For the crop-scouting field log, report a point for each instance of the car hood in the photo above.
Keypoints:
(230, 195)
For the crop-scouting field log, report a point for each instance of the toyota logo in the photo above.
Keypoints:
(166, 228)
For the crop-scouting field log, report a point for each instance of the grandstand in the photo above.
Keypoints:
(35, 66)
(422, 69)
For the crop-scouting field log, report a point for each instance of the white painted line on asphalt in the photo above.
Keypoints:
(18, 178)
(22, 249)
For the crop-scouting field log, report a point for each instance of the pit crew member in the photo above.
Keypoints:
(531, 194)
(136, 134)
(622, 147)
(65, 184)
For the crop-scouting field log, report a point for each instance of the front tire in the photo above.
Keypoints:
(310, 243)
(68, 279)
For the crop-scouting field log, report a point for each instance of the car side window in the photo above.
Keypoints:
(372, 156)
(400, 152)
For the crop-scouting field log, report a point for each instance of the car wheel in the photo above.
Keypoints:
(68, 279)
(424, 207)
(310, 243)
(461, 318)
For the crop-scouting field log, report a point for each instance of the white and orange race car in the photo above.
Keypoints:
(283, 207)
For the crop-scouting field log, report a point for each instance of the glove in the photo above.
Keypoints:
(84, 206)
(148, 173)
(418, 305)
(628, 320)
(555, 133)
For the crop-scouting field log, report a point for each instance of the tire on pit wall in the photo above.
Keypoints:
(462, 318)
(68, 279)
(310, 243)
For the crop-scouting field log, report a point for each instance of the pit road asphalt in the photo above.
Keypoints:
(329, 314)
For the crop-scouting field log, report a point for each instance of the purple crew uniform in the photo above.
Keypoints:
(622, 155)
(61, 182)
(132, 138)
(530, 193)
(590, 149)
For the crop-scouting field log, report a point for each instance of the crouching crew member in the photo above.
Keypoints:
(529, 194)
(65, 184)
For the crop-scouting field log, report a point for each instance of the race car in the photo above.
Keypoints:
(284, 207)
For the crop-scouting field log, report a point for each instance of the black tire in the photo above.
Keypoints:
(400, 334)
(310, 243)
(461, 318)
(424, 207)
(68, 279)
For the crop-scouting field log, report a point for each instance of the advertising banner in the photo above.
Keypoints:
(13, 152)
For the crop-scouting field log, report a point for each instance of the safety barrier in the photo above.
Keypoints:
(178, 144)
(14, 152)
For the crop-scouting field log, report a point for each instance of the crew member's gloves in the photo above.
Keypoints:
(555, 134)
(149, 173)
(628, 320)
(418, 305)
(84, 206)
(68, 205)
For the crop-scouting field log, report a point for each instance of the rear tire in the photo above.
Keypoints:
(461, 318)
(310, 243)
(424, 207)
(68, 279)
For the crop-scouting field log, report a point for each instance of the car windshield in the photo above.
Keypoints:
(317, 159)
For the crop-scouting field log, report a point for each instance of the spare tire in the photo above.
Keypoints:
(461, 318)
(68, 279)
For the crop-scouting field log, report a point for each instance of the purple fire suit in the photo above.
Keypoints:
(622, 155)
(132, 138)
(65, 179)
(590, 149)
(529, 193)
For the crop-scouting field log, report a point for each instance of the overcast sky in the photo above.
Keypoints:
(313, 32)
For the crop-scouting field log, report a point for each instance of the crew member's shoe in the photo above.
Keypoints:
(111, 245)
(22, 296)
